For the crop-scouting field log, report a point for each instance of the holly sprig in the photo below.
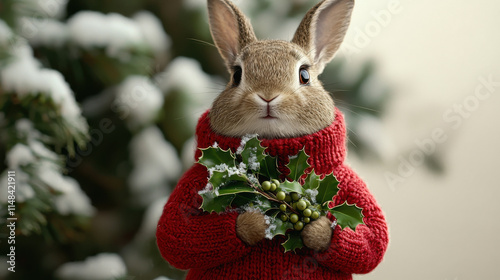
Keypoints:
(250, 180)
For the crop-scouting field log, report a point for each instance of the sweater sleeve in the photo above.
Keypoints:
(358, 251)
(187, 237)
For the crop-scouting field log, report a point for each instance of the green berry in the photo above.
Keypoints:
(295, 196)
(284, 217)
(283, 207)
(315, 215)
(266, 185)
(301, 205)
(307, 213)
(288, 198)
(276, 182)
(308, 203)
(294, 218)
(294, 206)
(273, 187)
(298, 226)
(306, 220)
(280, 196)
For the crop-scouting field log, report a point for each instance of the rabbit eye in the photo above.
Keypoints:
(237, 72)
(304, 76)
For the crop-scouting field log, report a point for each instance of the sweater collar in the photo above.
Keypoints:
(326, 148)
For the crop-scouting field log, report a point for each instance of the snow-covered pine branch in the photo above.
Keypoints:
(40, 185)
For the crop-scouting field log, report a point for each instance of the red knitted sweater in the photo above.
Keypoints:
(189, 238)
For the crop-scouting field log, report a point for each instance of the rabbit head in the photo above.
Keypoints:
(274, 89)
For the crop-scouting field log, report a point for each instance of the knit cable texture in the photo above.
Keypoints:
(207, 245)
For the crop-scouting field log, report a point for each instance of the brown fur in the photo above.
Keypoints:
(301, 110)
(271, 70)
(315, 31)
(230, 29)
(270, 87)
(318, 234)
(251, 227)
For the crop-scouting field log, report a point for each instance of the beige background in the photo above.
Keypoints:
(442, 226)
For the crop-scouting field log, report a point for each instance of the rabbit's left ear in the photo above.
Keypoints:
(323, 29)
(230, 29)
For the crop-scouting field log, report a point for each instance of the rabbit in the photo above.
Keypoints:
(274, 91)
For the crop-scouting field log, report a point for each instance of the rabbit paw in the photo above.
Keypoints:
(251, 227)
(318, 234)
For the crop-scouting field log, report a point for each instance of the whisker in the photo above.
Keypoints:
(202, 42)
(360, 107)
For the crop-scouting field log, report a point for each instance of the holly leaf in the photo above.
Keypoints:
(213, 203)
(292, 187)
(212, 157)
(242, 199)
(254, 200)
(221, 178)
(293, 242)
(328, 188)
(348, 215)
(277, 227)
(312, 181)
(253, 153)
(235, 188)
(298, 165)
(269, 167)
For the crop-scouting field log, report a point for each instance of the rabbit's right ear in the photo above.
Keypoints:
(323, 29)
(230, 29)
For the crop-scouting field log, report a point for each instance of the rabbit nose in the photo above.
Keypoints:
(267, 99)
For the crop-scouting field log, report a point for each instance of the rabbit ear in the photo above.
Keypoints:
(230, 29)
(323, 29)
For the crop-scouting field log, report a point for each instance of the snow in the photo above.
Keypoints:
(152, 30)
(312, 193)
(46, 32)
(103, 266)
(73, 200)
(70, 198)
(208, 188)
(269, 221)
(26, 130)
(187, 75)
(19, 155)
(253, 179)
(155, 163)
(113, 32)
(233, 170)
(24, 76)
(5, 33)
(49, 173)
(334, 224)
(41, 151)
(244, 141)
(139, 101)
(253, 164)
(23, 190)
(49, 8)
(162, 278)
(199, 89)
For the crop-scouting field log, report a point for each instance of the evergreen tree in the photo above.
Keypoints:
(98, 107)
